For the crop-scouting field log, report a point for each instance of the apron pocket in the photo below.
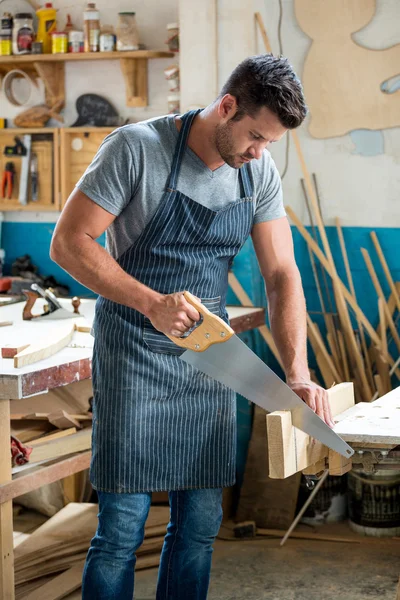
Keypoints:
(160, 343)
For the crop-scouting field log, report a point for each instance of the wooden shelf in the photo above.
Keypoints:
(51, 69)
(71, 56)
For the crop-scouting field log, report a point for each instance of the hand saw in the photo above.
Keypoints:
(213, 348)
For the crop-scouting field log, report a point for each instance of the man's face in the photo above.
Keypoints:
(239, 142)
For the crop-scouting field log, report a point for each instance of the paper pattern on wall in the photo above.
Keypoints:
(342, 80)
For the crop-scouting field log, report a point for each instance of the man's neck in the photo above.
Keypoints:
(201, 138)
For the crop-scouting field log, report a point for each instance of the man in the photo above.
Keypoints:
(178, 197)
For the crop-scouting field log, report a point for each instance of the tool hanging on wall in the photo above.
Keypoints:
(34, 178)
(8, 181)
(17, 150)
(24, 177)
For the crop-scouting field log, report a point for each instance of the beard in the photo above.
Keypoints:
(224, 143)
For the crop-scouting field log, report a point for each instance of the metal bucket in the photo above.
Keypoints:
(374, 503)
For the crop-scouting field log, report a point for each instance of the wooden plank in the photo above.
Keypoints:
(290, 449)
(47, 474)
(338, 464)
(62, 446)
(6, 514)
(374, 422)
(45, 348)
(9, 351)
(53, 436)
(60, 586)
(62, 420)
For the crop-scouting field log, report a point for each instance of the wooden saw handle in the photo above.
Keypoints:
(212, 329)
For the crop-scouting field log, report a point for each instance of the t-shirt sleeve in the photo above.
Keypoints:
(269, 195)
(110, 178)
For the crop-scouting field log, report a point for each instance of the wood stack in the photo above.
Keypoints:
(49, 563)
(353, 350)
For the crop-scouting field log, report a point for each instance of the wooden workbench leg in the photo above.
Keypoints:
(6, 513)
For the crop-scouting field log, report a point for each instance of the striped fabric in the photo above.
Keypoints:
(158, 423)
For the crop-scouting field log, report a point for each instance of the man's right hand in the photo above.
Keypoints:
(172, 314)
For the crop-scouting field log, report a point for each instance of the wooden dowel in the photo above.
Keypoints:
(353, 292)
(380, 294)
(385, 268)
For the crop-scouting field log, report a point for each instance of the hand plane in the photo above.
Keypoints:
(52, 310)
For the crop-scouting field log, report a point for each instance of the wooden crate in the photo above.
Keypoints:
(77, 149)
(45, 146)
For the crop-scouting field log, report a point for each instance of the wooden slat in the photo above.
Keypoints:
(62, 446)
(47, 474)
(60, 586)
(290, 449)
(45, 348)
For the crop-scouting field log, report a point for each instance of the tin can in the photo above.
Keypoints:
(59, 42)
(5, 44)
(76, 41)
(107, 42)
(37, 48)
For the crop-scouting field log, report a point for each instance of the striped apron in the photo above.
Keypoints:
(158, 423)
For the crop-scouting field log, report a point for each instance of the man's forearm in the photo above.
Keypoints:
(287, 312)
(90, 264)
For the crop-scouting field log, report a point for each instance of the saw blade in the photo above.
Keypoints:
(233, 364)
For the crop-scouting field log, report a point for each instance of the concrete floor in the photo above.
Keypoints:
(300, 570)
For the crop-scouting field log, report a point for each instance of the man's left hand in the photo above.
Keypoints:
(315, 397)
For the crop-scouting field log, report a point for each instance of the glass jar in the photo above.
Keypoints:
(23, 33)
(127, 32)
(173, 37)
(91, 19)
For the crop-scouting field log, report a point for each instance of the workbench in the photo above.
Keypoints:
(71, 364)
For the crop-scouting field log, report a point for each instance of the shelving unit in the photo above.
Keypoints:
(45, 144)
(51, 69)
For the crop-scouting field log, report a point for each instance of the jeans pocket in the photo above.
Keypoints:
(160, 343)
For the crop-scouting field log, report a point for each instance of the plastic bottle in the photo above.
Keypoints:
(47, 24)
(91, 28)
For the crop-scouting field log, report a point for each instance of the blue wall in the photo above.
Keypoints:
(34, 239)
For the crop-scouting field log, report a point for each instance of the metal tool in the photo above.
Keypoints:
(34, 178)
(213, 348)
(53, 309)
(17, 150)
(7, 182)
(24, 176)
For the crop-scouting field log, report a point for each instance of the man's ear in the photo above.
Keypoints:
(227, 107)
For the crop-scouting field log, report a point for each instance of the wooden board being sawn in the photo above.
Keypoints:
(291, 450)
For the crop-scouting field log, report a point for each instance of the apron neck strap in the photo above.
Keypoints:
(187, 120)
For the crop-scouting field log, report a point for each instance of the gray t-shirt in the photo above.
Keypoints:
(128, 175)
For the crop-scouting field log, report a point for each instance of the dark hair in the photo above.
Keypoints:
(267, 80)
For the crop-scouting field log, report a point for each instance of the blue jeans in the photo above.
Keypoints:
(185, 565)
